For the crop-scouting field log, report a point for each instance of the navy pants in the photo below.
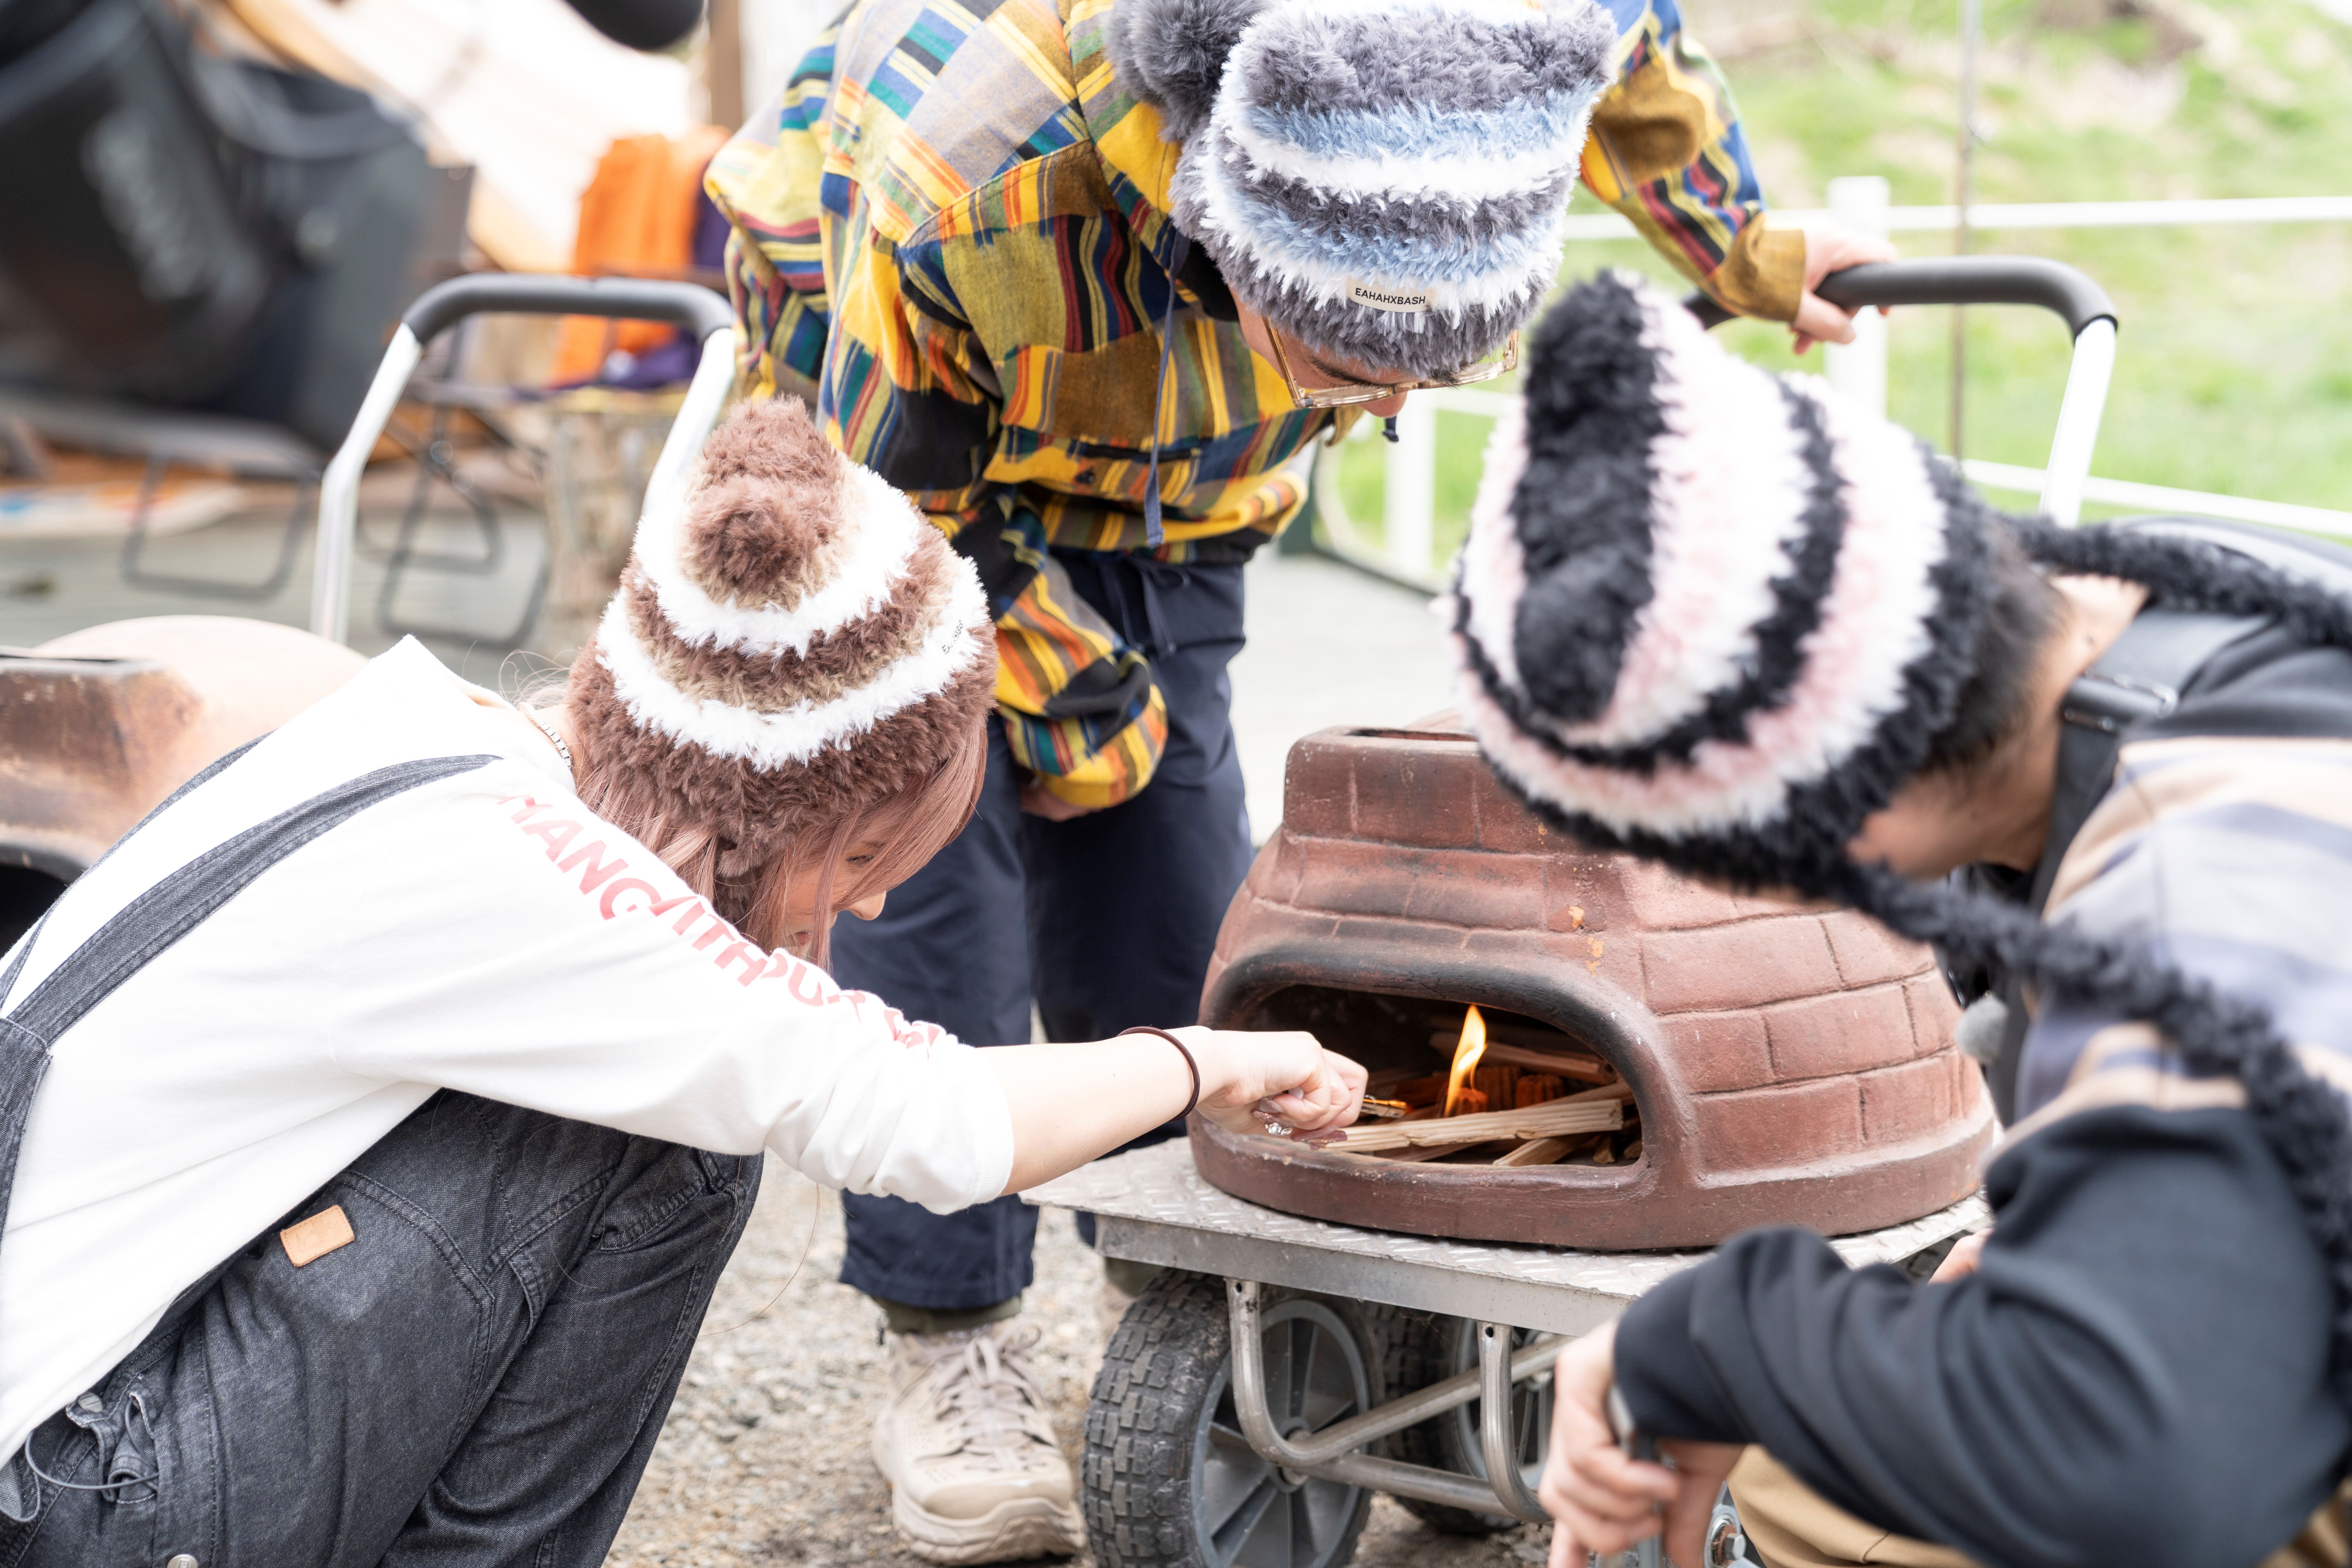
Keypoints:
(1105, 921)
(477, 1378)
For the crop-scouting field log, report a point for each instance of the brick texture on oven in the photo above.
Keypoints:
(1719, 1051)
(1868, 953)
(1899, 1103)
(1933, 1013)
(1756, 1129)
(1845, 1031)
(1749, 963)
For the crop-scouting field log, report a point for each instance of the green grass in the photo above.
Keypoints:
(2234, 368)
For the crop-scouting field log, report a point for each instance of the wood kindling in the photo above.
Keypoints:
(1594, 1111)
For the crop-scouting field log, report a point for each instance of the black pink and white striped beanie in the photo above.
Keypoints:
(1706, 613)
(1384, 178)
(792, 642)
(1717, 617)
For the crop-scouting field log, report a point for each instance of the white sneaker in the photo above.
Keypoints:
(975, 1475)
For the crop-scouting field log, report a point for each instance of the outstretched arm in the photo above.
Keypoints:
(1071, 1103)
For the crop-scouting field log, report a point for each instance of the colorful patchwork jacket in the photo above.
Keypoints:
(950, 231)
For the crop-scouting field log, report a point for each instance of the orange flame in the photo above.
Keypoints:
(1465, 1057)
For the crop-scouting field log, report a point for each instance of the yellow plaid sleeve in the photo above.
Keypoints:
(766, 182)
(1079, 708)
(908, 391)
(1666, 150)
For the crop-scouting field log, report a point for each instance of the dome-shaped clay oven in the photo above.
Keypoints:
(1787, 1064)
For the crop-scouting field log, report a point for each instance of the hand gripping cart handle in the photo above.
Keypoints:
(2071, 295)
(698, 309)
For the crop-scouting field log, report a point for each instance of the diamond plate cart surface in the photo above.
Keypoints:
(1152, 1206)
(1518, 1303)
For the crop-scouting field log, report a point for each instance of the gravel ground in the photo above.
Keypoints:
(764, 1458)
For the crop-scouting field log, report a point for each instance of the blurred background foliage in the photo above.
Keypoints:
(2235, 371)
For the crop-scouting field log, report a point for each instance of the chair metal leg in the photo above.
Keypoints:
(134, 547)
(432, 462)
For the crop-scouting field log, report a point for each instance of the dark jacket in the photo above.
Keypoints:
(2139, 1369)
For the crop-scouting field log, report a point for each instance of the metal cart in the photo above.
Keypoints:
(1283, 1369)
(1246, 1398)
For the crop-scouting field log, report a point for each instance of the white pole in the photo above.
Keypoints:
(1409, 502)
(2078, 422)
(698, 416)
(1858, 368)
(339, 491)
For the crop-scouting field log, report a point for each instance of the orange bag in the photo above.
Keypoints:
(636, 219)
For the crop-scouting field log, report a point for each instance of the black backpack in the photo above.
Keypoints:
(2139, 679)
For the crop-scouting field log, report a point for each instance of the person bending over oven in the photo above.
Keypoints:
(1764, 637)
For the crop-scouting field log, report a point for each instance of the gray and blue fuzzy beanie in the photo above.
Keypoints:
(1384, 178)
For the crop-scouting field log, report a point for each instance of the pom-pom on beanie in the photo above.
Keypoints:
(791, 644)
(1384, 178)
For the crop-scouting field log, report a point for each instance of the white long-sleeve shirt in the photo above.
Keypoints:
(485, 933)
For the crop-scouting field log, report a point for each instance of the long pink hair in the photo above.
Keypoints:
(912, 826)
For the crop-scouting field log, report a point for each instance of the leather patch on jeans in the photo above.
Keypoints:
(317, 1236)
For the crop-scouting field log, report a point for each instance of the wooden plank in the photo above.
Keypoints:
(1542, 1151)
(1598, 1112)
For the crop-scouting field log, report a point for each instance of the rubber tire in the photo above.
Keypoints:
(1418, 1349)
(1135, 1480)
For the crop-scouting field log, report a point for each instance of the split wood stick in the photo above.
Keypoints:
(1554, 1117)
(1542, 1151)
(1592, 1069)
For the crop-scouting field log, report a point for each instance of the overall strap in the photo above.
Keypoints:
(159, 917)
(24, 946)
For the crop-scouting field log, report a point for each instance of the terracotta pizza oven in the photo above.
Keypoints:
(99, 726)
(1773, 1063)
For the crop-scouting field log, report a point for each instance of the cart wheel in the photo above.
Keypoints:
(1167, 1479)
(1419, 1349)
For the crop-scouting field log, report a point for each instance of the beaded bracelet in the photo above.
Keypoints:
(1184, 1050)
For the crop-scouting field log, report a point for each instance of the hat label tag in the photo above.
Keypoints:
(1399, 301)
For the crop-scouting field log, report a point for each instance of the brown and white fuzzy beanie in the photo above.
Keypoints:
(793, 643)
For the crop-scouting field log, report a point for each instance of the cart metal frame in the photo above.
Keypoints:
(1152, 1206)
(705, 314)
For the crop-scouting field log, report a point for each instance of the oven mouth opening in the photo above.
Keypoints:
(25, 894)
(1545, 1095)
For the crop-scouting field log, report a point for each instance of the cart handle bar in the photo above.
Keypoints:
(2067, 292)
(688, 305)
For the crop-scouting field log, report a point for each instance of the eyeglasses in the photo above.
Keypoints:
(1349, 392)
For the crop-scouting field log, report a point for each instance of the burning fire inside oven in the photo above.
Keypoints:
(1504, 1103)
(1466, 1084)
